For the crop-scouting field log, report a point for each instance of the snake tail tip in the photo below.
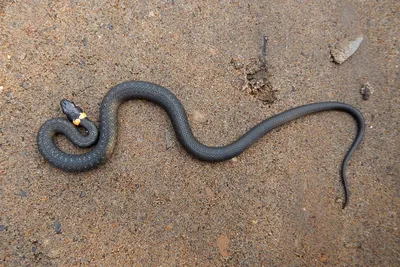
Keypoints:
(345, 204)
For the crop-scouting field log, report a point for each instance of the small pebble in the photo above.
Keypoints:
(53, 254)
(345, 49)
(353, 245)
(199, 117)
(223, 245)
(366, 91)
(8, 57)
(254, 222)
(236, 63)
(213, 51)
(22, 194)
(1, 89)
(3, 228)
(22, 56)
(323, 258)
(339, 200)
(57, 227)
(25, 84)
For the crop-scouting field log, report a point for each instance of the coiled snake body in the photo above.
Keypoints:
(104, 141)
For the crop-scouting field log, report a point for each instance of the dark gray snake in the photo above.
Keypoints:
(104, 143)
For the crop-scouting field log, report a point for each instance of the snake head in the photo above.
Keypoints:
(73, 112)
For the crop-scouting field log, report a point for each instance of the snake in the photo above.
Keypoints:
(103, 140)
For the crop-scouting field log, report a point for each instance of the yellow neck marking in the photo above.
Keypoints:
(77, 121)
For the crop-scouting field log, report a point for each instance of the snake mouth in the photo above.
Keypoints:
(72, 111)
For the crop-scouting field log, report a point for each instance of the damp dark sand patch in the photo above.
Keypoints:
(255, 80)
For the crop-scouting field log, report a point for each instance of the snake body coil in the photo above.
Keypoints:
(105, 141)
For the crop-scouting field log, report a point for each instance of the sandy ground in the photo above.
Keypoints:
(277, 204)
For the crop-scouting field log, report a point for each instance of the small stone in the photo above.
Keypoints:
(3, 228)
(25, 84)
(234, 159)
(168, 227)
(223, 245)
(323, 258)
(1, 88)
(199, 117)
(46, 242)
(22, 194)
(55, 253)
(82, 194)
(209, 193)
(254, 222)
(213, 51)
(151, 14)
(85, 41)
(236, 63)
(339, 200)
(353, 245)
(238, 83)
(366, 91)
(22, 56)
(8, 96)
(57, 227)
(345, 49)
(8, 57)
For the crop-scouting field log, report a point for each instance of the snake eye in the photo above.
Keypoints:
(70, 109)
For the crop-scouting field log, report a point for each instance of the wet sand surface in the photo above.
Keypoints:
(232, 64)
